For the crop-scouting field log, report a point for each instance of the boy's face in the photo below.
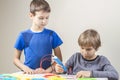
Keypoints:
(40, 19)
(88, 53)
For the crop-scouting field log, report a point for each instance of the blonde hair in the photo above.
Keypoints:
(89, 37)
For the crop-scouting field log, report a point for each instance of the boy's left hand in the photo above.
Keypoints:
(82, 74)
(39, 71)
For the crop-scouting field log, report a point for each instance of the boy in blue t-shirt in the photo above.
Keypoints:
(37, 42)
(87, 63)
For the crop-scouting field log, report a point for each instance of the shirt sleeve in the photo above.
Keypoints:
(19, 44)
(56, 40)
(70, 61)
(108, 70)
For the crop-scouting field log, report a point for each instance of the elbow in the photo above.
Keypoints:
(115, 76)
(14, 61)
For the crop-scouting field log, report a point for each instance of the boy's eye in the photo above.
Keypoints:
(41, 18)
(88, 49)
(47, 17)
(82, 48)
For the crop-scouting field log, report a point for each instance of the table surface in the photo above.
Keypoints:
(22, 76)
(67, 77)
(72, 77)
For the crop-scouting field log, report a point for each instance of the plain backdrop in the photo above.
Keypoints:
(68, 18)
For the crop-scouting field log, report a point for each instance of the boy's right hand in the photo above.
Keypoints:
(28, 70)
(58, 69)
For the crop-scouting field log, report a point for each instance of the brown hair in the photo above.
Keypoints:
(38, 5)
(90, 37)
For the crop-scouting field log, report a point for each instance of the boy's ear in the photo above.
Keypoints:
(31, 15)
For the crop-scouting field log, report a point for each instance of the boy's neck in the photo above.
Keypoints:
(92, 58)
(37, 29)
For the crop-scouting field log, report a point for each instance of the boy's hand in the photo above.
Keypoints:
(39, 71)
(27, 70)
(82, 74)
(58, 69)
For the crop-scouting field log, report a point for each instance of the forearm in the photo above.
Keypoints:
(111, 75)
(19, 64)
(58, 53)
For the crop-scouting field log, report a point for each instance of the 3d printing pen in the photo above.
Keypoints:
(57, 60)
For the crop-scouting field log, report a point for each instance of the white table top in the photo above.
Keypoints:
(65, 76)
(72, 77)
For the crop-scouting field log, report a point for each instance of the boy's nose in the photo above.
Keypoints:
(44, 20)
(85, 52)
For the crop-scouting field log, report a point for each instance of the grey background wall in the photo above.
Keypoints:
(68, 18)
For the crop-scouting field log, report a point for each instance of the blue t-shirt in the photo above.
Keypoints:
(36, 45)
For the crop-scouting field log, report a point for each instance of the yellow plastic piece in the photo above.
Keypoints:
(56, 78)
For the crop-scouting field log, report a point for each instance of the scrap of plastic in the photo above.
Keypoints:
(56, 78)
(7, 77)
(86, 79)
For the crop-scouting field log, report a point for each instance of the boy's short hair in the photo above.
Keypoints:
(88, 38)
(39, 5)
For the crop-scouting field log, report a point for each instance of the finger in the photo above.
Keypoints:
(82, 76)
(24, 72)
(33, 71)
(29, 72)
(78, 76)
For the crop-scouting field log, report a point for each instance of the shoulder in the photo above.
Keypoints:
(103, 59)
(77, 55)
(49, 31)
(20, 35)
(26, 31)
(26, 34)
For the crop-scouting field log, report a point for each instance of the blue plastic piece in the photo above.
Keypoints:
(57, 60)
(7, 77)
(38, 79)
